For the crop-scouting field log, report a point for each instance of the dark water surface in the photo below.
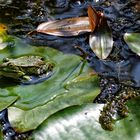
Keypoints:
(123, 16)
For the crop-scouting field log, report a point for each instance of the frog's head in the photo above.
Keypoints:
(8, 69)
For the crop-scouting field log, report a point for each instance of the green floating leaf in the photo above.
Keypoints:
(24, 120)
(66, 87)
(6, 98)
(81, 123)
(133, 40)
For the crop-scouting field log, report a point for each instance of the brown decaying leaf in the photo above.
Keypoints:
(70, 26)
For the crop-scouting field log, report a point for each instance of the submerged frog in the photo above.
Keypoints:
(24, 67)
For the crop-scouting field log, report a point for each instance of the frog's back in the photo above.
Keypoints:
(28, 61)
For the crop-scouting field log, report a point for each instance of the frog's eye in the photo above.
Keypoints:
(42, 58)
(10, 64)
(5, 59)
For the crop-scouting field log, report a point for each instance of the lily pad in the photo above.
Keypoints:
(133, 40)
(6, 98)
(81, 123)
(67, 86)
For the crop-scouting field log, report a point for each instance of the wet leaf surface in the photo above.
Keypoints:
(66, 87)
(133, 40)
(81, 122)
(101, 42)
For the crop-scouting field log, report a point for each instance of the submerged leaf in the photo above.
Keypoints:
(101, 42)
(133, 40)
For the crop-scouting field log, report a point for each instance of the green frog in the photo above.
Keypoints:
(24, 67)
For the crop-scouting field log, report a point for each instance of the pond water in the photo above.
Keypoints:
(123, 16)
